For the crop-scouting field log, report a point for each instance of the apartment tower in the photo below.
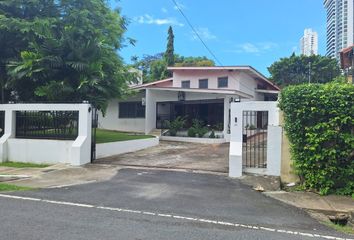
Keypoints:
(309, 43)
(340, 25)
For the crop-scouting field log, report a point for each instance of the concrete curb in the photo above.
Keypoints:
(328, 212)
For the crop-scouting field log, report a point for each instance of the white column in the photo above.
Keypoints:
(81, 148)
(235, 155)
(274, 137)
(226, 118)
(9, 132)
(150, 111)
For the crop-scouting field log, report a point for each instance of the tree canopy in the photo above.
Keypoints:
(61, 50)
(297, 69)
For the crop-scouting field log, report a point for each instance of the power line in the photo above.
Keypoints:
(205, 45)
(196, 32)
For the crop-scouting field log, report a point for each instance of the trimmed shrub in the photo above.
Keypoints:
(319, 121)
(198, 129)
(175, 125)
(192, 132)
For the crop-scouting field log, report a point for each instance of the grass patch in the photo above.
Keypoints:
(345, 229)
(10, 187)
(106, 136)
(23, 165)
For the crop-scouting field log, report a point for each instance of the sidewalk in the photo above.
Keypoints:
(311, 201)
(56, 175)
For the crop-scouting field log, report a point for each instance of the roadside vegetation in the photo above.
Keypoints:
(23, 165)
(106, 136)
(319, 121)
(345, 229)
(4, 187)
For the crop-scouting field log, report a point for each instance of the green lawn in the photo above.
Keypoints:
(11, 187)
(106, 136)
(22, 165)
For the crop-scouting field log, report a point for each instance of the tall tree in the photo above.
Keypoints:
(71, 50)
(154, 67)
(18, 24)
(169, 54)
(302, 69)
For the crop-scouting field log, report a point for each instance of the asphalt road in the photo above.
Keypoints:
(150, 204)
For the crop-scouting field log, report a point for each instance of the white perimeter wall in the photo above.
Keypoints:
(77, 152)
(112, 121)
(39, 151)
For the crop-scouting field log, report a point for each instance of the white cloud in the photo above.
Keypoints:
(255, 48)
(204, 33)
(248, 48)
(164, 10)
(267, 45)
(148, 19)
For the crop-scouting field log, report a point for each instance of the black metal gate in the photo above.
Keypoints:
(254, 132)
(93, 133)
(2, 123)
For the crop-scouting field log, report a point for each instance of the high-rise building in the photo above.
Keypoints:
(340, 25)
(309, 43)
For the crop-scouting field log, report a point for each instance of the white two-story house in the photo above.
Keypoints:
(203, 93)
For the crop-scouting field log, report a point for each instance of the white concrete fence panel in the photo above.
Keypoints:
(75, 152)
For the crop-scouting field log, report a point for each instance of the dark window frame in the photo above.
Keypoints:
(220, 79)
(131, 110)
(186, 82)
(203, 81)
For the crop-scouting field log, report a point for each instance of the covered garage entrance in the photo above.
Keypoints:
(210, 111)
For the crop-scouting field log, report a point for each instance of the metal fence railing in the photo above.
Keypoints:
(2, 123)
(61, 125)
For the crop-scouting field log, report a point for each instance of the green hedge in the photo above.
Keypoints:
(319, 121)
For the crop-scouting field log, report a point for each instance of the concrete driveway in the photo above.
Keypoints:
(178, 155)
(151, 204)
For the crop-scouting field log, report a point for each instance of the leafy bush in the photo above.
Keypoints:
(250, 127)
(212, 134)
(198, 129)
(192, 132)
(176, 125)
(319, 121)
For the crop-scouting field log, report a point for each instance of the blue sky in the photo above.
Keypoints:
(239, 32)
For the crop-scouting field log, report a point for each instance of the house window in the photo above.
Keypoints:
(186, 84)
(223, 82)
(131, 110)
(203, 83)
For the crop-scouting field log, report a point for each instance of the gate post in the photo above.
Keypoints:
(9, 132)
(235, 155)
(274, 150)
(81, 148)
